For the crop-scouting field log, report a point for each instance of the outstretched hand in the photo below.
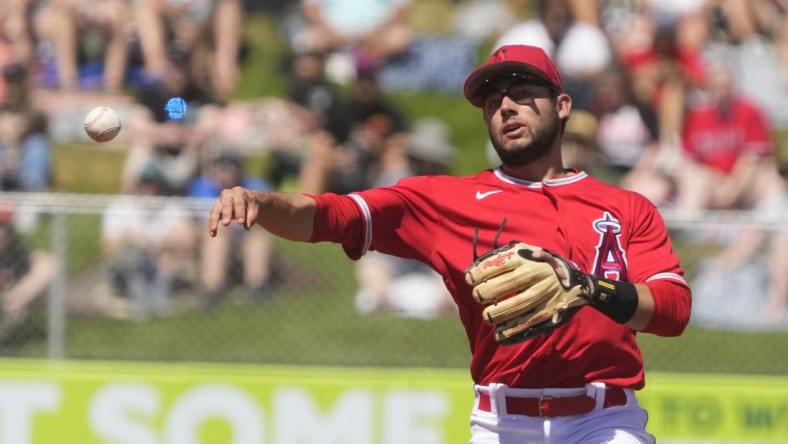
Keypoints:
(236, 204)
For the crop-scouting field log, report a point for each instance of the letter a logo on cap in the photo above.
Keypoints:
(500, 55)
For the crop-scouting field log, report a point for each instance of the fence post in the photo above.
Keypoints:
(56, 323)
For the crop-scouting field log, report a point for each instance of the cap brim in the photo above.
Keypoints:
(478, 79)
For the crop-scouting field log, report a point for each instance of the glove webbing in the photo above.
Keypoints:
(615, 299)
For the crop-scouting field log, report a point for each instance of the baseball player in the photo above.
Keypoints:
(553, 271)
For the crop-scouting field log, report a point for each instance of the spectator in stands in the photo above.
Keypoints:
(729, 163)
(208, 33)
(660, 48)
(149, 247)
(349, 165)
(628, 137)
(425, 150)
(485, 20)
(317, 104)
(25, 151)
(311, 89)
(728, 158)
(752, 36)
(580, 49)
(25, 275)
(17, 38)
(404, 287)
(89, 38)
(350, 29)
(401, 286)
(177, 141)
(239, 254)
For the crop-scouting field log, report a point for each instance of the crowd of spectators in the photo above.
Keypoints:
(653, 110)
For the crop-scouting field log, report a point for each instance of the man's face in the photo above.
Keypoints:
(721, 84)
(523, 120)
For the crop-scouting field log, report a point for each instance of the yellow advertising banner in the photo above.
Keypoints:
(715, 408)
(43, 402)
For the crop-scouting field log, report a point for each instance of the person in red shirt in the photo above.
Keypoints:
(578, 382)
(728, 153)
(729, 163)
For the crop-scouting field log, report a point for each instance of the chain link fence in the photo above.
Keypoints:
(99, 301)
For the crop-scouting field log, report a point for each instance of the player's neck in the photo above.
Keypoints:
(537, 171)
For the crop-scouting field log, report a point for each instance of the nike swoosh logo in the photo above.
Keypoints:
(480, 195)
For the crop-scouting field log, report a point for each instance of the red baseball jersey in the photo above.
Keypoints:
(603, 229)
(717, 139)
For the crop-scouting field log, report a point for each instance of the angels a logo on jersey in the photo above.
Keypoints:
(610, 260)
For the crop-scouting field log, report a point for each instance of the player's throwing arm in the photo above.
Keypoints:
(288, 215)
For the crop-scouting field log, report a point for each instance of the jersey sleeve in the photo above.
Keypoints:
(338, 219)
(653, 262)
(398, 220)
(672, 301)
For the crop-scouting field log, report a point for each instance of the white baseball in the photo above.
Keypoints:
(102, 124)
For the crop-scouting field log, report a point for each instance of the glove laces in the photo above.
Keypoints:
(495, 240)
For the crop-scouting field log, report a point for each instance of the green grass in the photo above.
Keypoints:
(714, 351)
(87, 168)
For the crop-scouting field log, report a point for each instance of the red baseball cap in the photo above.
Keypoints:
(512, 59)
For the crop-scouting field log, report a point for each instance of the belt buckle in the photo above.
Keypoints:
(542, 399)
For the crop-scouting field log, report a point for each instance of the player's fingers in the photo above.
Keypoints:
(493, 265)
(512, 307)
(523, 277)
(488, 269)
(227, 200)
(541, 255)
(240, 203)
(225, 207)
(214, 217)
(251, 210)
(499, 261)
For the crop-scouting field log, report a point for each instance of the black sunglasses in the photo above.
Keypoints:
(518, 88)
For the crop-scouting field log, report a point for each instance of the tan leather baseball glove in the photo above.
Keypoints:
(526, 297)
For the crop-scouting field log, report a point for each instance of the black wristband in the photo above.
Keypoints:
(615, 299)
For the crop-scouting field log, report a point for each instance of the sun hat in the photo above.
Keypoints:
(430, 141)
(583, 125)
